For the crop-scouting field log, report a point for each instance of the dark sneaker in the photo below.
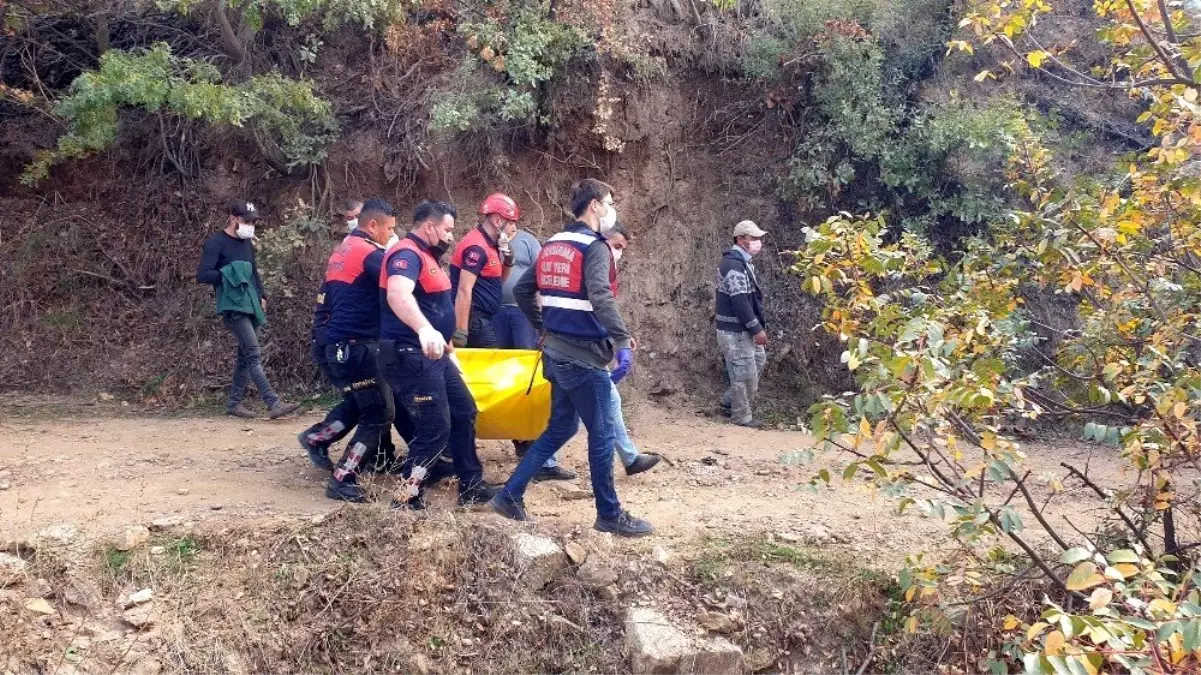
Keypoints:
(513, 510)
(553, 473)
(280, 409)
(242, 411)
(751, 424)
(318, 455)
(346, 491)
(624, 525)
(481, 493)
(521, 447)
(643, 462)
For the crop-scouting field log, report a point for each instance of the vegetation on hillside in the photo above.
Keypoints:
(935, 346)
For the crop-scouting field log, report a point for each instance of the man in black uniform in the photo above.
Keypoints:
(352, 340)
(417, 323)
(227, 263)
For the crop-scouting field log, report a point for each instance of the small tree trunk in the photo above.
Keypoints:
(229, 37)
(102, 35)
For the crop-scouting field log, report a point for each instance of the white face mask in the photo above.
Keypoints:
(754, 246)
(392, 241)
(351, 224)
(245, 231)
(608, 220)
(616, 254)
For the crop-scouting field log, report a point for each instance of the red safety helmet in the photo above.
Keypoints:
(501, 204)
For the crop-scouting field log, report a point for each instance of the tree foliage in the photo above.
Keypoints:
(933, 346)
(285, 115)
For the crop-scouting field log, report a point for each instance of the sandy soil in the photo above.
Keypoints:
(107, 472)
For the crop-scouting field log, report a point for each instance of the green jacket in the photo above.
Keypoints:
(238, 294)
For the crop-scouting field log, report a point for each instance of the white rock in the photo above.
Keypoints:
(140, 598)
(63, 534)
(133, 537)
(39, 606)
(658, 646)
(576, 552)
(662, 555)
(539, 560)
(596, 575)
(164, 524)
(12, 570)
(142, 616)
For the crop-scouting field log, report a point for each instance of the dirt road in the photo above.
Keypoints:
(102, 474)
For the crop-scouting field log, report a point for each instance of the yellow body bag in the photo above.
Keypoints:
(510, 392)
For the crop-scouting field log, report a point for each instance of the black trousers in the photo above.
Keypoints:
(355, 366)
(441, 409)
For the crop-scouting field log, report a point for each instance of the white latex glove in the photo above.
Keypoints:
(502, 243)
(432, 342)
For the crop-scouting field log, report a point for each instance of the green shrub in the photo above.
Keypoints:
(284, 114)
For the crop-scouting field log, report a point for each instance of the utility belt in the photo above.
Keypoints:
(342, 347)
(342, 355)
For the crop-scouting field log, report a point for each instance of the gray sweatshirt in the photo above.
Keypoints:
(525, 252)
(591, 353)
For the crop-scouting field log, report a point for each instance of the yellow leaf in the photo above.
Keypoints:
(911, 624)
(1084, 576)
(1123, 570)
(1181, 409)
(1035, 630)
(1035, 59)
(865, 428)
(1100, 598)
(1053, 646)
(1011, 622)
(984, 75)
(1163, 606)
(909, 593)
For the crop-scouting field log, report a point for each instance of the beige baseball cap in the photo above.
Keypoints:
(747, 228)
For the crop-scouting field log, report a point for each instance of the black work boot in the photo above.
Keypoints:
(345, 490)
(521, 447)
(318, 455)
(624, 525)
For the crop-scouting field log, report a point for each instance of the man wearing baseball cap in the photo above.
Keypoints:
(227, 264)
(741, 330)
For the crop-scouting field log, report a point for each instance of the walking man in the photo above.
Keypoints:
(418, 322)
(741, 330)
(584, 332)
(352, 341)
(227, 264)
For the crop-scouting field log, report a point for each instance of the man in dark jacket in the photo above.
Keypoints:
(569, 294)
(232, 245)
(741, 330)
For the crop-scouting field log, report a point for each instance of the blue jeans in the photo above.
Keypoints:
(577, 393)
(513, 330)
(624, 445)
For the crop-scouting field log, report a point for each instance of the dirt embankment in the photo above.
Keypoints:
(99, 262)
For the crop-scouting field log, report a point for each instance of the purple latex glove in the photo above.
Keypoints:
(625, 361)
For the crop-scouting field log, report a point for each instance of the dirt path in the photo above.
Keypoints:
(103, 474)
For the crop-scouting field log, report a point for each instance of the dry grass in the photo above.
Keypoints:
(366, 589)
